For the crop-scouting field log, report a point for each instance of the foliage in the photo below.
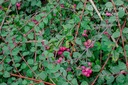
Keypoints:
(63, 42)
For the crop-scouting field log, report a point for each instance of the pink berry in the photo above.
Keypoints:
(89, 63)
(74, 5)
(83, 67)
(108, 14)
(85, 35)
(60, 59)
(68, 49)
(62, 6)
(54, 14)
(68, 69)
(89, 42)
(60, 53)
(85, 31)
(85, 43)
(89, 71)
(105, 33)
(62, 48)
(18, 4)
(85, 73)
(88, 75)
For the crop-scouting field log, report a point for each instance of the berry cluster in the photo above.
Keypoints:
(61, 50)
(88, 44)
(60, 53)
(86, 71)
(108, 14)
(59, 60)
(85, 33)
(18, 4)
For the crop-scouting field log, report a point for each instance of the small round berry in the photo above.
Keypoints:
(60, 53)
(89, 64)
(83, 67)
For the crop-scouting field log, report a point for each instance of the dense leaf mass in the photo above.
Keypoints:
(63, 42)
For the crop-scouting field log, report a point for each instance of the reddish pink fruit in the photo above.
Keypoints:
(74, 5)
(88, 75)
(88, 44)
(0, 7)
(85, 73)
(108, 14)
(62, 48)
(60, 53)
(54, 14)
(85, 31)
(105, 33)
(89, 71)
(68, 69)
(18, 4)
(85, 43)
(62, 6)
(83, 67)
(60, 59)
(85, 35)
(68, 50)
(89, 64)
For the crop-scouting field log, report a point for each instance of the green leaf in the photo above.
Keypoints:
(89, 53)
(65, 83)
(76, 54)
(89, 7)
(24, 82)
(121, 13)
(1, 1)
(50, 66)
(41, 25)
(6, 74)
(119, 2)
(120, 78)
(115, 56)
(78, 41)
(112, 19)
(116, 34)
(125, 30)
(79, 6)
(96, 68)
(31, 36)
(1, 67)
(121, 65)
(30, 61)
(43, 75)
(84, 83)
(108, 4)
(109, 79)
(45, 20)
(29, 73)
(13, 1)
(74, 81)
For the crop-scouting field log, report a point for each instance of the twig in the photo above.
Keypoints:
(78, 26)
(38, 81)
(5, 16)
(101, 69)
(125, 56)
(27, 64)
(96, 9)
(40, 21)
(2, 59)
